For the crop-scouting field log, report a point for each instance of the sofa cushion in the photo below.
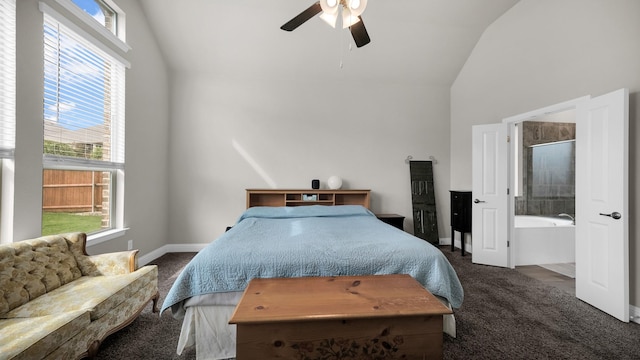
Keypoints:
(97, 294)
(30, 338)
(31, 268)
(116, 318)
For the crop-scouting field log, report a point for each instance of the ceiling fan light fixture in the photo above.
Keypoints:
(329, 11)
(357, 7)
(348, 18)
(330, 6)
(330, 19)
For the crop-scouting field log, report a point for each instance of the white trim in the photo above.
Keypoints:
(75, 28)
(121, 20)
(67, 163)
(87, 19)
(7, 153)
(170, 248)
(8, 201)
(567, 105)
(510, 122)
(634, 314)
(118, 197)
(457, 244)
(103, 236)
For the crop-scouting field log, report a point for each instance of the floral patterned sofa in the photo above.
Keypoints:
(57, 302)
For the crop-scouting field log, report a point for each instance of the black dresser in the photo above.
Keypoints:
(460, 215)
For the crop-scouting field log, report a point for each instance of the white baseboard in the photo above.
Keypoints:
(457, 244)
(147, 258)
(634, 314)
(447, 241)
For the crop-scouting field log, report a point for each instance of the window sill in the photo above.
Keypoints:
(103, 236)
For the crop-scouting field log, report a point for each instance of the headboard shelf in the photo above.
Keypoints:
(302, 197)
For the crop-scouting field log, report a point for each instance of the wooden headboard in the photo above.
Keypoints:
(288, 197)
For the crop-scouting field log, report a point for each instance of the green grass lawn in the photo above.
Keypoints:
(58, 223)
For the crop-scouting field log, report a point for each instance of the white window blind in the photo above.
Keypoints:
(83, 101)
(7, 78)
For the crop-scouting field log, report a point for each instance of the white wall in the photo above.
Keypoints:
(229, 133)
(543, 52)
(186, 174)
(147, 124)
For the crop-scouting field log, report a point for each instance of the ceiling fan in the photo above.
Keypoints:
(330, 9)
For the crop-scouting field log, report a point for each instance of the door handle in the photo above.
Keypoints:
(616, 215)
(477, 201)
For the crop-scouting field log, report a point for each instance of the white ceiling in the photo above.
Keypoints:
(425, 41)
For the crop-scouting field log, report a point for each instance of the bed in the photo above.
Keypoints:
(317, 240)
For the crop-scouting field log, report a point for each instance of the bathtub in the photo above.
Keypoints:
(543, 240)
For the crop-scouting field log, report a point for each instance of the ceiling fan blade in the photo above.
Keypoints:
(312, 11)
(359, 33)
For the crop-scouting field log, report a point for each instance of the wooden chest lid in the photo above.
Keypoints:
(339, 297)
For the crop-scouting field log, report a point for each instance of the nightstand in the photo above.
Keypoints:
(392, 219)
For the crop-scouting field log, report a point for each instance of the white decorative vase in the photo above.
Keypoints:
(334, 183)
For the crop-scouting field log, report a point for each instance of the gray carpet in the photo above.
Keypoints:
(505, 315)
(150, 336)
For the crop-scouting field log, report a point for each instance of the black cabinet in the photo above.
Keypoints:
(460, 215)
(394, 220)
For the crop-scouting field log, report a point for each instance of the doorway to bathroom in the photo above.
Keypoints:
(601, 197)
(543, 165)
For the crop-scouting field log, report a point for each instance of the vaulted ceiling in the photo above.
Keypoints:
(412, 40)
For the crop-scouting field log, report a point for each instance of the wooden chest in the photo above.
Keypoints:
(344, 317)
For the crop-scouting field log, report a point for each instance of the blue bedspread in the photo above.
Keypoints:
(269, 242)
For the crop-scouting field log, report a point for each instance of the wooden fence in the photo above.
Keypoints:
(72, 191)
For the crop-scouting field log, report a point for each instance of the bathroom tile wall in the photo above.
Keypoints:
(549, 197)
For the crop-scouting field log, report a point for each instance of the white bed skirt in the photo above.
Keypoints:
(207, 326)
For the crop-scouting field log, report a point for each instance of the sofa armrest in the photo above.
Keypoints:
(116, 263)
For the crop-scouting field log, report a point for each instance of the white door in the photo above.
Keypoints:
(489, 229)
(602, 211)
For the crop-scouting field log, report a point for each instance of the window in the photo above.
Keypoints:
(101, 12)
(83, 131)
(7, 114)
(103, 16)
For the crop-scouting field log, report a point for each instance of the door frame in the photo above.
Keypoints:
(581, 105)
(511, 122)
